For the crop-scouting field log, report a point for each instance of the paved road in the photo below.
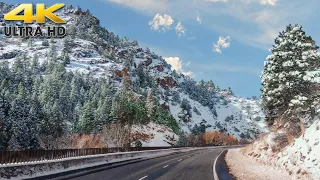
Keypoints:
(194, 165)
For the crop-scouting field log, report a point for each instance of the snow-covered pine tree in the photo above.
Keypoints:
(64, 101)
(35, 65)
(86, 121)
(20, 132)
(289, 74)
(149, 104)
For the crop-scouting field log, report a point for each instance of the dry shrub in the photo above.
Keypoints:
(218, 138)
(244, 141)
(87, 141)
(280, 141)
(141, 136)
(294, 128)
(260, 142)
(50, 142)
(71, 141)
(196, 140)
(116, 135)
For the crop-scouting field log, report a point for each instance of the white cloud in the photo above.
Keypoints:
(160, 22)
(262, 2)
(192, 38)
(217, 0)
(149, 6)
(268, 2)
(180, 29)
(222, 43)
(189, 73)
(243, 14)
(199, 20)
(176, 64)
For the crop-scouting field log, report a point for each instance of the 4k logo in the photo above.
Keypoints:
(39, 17)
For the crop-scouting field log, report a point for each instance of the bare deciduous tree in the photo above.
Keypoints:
(50, 142)
(116, 135)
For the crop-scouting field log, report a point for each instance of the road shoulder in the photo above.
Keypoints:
(246, 168)
(220, 168)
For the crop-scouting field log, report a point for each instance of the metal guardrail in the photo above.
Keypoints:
(9, 157)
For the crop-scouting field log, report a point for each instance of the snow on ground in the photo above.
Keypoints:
(247, 115)
(244, 168)
(304, 153)
(299, 158)
(153, 135)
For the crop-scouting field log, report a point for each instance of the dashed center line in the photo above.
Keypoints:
(165, 166)
(143, 177)
(179, 159)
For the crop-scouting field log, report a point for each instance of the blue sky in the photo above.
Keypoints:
(246, 28)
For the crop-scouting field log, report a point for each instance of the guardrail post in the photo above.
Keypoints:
(2, 157)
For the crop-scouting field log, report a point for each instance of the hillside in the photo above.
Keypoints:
(94, 52)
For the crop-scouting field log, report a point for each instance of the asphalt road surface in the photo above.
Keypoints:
(194, 165)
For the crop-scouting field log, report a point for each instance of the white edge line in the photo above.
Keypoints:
(215, 175)
(143, 177)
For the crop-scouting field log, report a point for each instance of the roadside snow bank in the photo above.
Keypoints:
(304, 154)
(299, 157)
(244, 168)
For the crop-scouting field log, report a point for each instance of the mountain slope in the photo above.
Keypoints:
(94, 51)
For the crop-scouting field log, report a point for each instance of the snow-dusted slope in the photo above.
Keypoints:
(242, 118)
(153, 135)
(299, 157)
(304, 154)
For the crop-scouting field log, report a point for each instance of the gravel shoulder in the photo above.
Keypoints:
(246, 168)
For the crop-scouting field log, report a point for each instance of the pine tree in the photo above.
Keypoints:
(18, 69)
(53, 51)
(86, 121)
(22, 134)
(30, 42)
(35, 65)
(72, 31)
(64, 100)
(290, 73)
(75, 117)
(102, 114)
(45, 43)
(75, 91)
(230, 91)
(218, 88)
(35, 114)
(66, 46)
(66, 59)
(52, 124)
(150, 104)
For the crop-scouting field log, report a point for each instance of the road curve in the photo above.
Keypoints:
(194, 165)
